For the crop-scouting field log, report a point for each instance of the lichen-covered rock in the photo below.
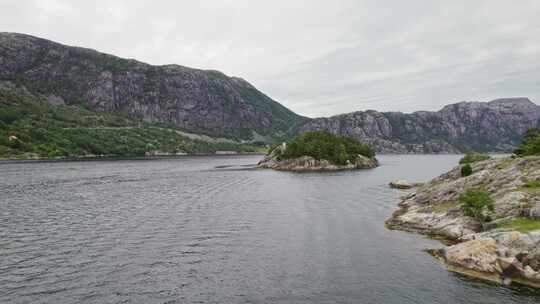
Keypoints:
(479, 255)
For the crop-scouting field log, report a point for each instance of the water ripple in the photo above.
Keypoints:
(213, 230)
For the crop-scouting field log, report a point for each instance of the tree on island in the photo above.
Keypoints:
(325, 145)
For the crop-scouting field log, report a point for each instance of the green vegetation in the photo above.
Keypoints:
(473, 157)
(532, 186)
(530, 144)
(325, 145)
(466, 170)
(476, 202)
(521, 224)
(31, 127)
(507, 162)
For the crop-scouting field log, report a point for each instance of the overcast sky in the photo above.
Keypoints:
(318, 58)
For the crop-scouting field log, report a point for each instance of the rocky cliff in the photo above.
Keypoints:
(505, 249)
(204, 102)
(494, 126)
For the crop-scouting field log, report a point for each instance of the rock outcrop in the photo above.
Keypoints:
(493, 250)
(480, 126)
(403, 184)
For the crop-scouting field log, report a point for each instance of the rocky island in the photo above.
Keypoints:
(320, 151)
(489, 217)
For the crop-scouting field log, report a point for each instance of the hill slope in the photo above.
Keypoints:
(32, 127)
(483, 126)
(205, 102)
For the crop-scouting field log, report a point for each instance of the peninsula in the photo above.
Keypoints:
(488, 210)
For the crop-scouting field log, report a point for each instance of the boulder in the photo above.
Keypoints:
(480, 255)
(532, 259)
(401, 184)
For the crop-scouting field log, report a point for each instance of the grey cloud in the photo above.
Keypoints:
(316, 57)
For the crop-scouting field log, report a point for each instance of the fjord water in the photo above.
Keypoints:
(210, 230)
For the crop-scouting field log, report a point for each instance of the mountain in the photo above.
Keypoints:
(198, 101)
(203, 103)
(494, 126)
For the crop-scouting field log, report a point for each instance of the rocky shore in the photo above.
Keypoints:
(308, 163)
(505, 249)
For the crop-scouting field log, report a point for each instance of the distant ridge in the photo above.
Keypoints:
(494, 126)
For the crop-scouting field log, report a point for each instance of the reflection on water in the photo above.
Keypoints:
(213, 230)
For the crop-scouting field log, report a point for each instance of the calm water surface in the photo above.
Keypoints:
(194, 230)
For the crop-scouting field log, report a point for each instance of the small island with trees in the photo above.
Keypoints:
(320, 151)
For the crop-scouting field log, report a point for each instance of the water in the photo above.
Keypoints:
(194, 230)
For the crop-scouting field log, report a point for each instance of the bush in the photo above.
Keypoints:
(325, 145)
(530, 144)
(473, 157)
(476, 202)
(466, 170)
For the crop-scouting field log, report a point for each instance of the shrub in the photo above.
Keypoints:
(473, 157)
(325, 145)
(530, 144)
(476, 202)
(466, 170)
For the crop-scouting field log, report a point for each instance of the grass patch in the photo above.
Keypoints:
(532, 186)
(505, 164)
(438, 207)
(521, 224)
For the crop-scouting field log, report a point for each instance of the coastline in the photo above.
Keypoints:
(121, 157)
(500, 252)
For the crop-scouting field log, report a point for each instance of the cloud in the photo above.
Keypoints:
(316, 57)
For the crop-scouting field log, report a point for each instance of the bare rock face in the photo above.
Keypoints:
(481, 126)
(199, 101)
(485, 251)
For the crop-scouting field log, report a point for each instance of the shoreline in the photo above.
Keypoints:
(119, 157)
